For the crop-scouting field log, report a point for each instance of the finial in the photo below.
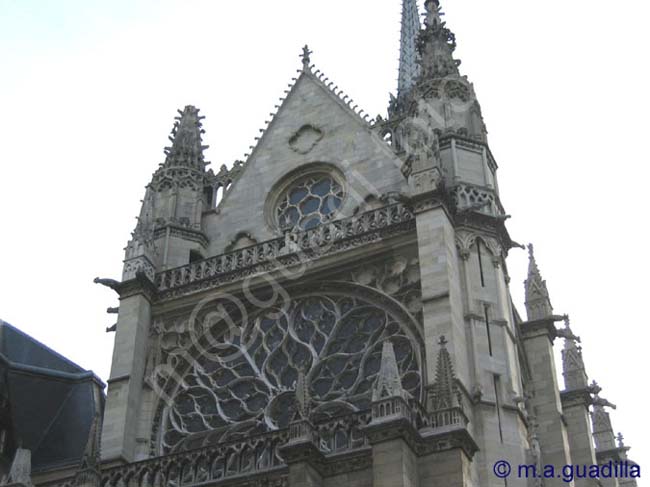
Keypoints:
(306, 58)
(433, 12)
(594, 388)
(303, 398)
(442, 341)
(620, 439)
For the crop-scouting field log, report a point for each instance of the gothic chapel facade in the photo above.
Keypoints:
(352, 325)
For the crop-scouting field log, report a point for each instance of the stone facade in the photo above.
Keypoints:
(336, 311)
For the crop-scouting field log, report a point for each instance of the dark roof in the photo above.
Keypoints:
(52, 401)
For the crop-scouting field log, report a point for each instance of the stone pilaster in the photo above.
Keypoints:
(127, 371)
(576, 399)
(302, 455)
(441, 289)
(545, 403)
(391, 431)
(575, 404)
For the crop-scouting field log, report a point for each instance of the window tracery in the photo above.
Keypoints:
(309, 201)
(246, 383)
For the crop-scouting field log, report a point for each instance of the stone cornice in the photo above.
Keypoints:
(140, 284)
(187, 233)
(541, 327)
(330, 465)
(425, 441)
(576, 397)
(466, 142)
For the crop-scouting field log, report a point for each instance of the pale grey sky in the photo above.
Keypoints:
(89, 89)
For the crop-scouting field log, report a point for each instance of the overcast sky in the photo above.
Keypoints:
(89, 89)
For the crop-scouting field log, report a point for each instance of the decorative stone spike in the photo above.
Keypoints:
(303, 398)
(538, 302)
(444, 398)
(388, 383)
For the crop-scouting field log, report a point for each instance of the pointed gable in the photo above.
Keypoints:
(313, 126)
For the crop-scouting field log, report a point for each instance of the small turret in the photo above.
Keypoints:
(168, 231)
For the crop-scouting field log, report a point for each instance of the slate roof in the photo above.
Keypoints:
(52, 401)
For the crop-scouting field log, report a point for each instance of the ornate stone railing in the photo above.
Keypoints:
(472, 196)
(255, 455)
(318, 241)
(342, 433)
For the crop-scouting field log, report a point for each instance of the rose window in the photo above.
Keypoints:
(245, 382)
(309, 202)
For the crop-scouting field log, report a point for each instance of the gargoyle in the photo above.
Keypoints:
(111, 283)
(600, 401)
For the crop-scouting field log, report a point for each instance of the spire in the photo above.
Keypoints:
(538, 303)
(389, 383)
(187, 149)
(444, 394)
(573, 366)
(88, 474)
(444, 399)
(409, 67)
(436, 45)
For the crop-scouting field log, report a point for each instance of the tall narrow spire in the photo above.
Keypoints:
(538, 302)
(409, 68)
